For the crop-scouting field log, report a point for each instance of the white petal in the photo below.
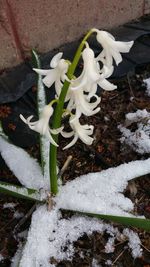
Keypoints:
(50, 138)
(37, 127)
(106, 85)
(42, 72)
(56, 131)
(50, 78)
(55, 60)
(101, 56)
(107, 71)
(72, 142)
(82, 82)
(88, 128)
(110, 35)
(124, 47)
(70, 105)
(58, 86)
(67, 134)
(29, 119)
(26, 121)
(64, 77)
(22, 118)
(94, 104)
(86, 139)
(92, 92)
(116, 55)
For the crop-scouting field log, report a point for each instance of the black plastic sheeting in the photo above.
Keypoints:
(15, 85)
(19, 80)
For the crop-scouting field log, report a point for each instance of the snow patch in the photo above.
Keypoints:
(1, 258)
(18, 215)
(10, 205)
(101, 192)
(95, 263)
(138, 140)
(49, 233)
(16, 259)
(147, 82)
(134, 243)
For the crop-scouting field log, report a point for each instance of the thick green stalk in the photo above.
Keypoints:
(58, 116)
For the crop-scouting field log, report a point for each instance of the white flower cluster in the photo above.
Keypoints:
(82, 89)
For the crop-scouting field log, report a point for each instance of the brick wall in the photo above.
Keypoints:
(46, 24)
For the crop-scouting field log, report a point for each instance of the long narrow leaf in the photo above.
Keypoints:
(41, 102)
(26, 169)
(19, 191)
(129, 221)
(2, 132)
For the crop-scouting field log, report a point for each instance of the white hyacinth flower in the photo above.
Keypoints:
(55, 75)
(111, 48)
(79, 131)
(92, 75)
(42, 125)
(80, 102)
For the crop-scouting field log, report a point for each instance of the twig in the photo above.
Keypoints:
(120, 243)
(65, 166)
(128, 79)
(27, 215)
(145, 248)
(118, 257)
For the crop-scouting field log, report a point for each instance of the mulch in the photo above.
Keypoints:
(105, 152)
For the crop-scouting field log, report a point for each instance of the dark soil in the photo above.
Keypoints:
(105, 152)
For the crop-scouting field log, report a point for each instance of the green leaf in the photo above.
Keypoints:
(19, 191)
(129, 221)
(41, 102)
(2, 132)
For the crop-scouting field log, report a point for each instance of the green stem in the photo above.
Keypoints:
(58, 116)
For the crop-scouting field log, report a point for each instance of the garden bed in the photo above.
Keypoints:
(106, 151)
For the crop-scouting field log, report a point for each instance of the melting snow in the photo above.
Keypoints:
(95, 263)
(147, 81)
(139, 139)
(137, 116)
(1, 257)
(99, 192)
(10, 205)
(18, 215)
(134, 243)
(50, 234)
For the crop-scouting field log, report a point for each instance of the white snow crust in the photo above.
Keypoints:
(138, 140)
(9, 205)
(1, 258)
(147, 82)
(99, 192)
(50, 234)
(18, 215)
(137, 116)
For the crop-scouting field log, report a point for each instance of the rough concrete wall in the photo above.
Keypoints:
(147, 7)
(46, 24)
